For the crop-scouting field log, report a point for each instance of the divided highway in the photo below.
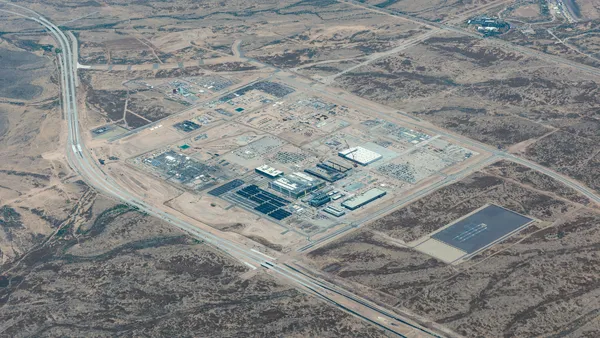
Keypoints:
(85, 165)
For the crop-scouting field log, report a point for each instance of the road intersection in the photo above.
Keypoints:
(84, 164)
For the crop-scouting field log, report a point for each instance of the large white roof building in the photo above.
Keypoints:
(360, 155)
(296, 184)
(268, 171)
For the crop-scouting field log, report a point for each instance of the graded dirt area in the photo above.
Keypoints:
(75, 263)
(529, 11)
(334, 40)
(37, 193)
(223, 216)
(514, 288)
(503, 184)
(119, 272)
(498, 97)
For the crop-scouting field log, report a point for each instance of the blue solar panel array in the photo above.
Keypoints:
(268, 203)
(226, 187)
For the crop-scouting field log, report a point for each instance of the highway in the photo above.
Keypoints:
(85, 165)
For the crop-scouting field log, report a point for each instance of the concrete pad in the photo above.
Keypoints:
(440, 250)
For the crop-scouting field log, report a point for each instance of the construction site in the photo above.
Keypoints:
(297, 168)
(305, 163)
(187, 90)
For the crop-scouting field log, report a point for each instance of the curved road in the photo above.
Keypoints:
(84, 164)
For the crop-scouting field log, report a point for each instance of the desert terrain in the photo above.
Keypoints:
(37, 191)
(401, 120)
(520, 282)
(480, 92)
(114, 271)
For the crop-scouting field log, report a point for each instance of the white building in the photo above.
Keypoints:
(360, 155)
(296, 184)
(268, 171)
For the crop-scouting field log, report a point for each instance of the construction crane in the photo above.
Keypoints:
(348, 147)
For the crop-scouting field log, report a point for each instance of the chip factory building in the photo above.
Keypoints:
(270, 172)
(331, 165)
(325, 174)
(296, 185)
(363, 199)
(360, 155)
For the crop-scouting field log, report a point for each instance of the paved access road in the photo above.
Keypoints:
(84, 164)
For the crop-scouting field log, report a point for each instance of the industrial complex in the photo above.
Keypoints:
(384, 166)
(303, 162)
(489, 26)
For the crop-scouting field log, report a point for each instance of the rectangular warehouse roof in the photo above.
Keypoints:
(327, 175)
(363, 199)
(296, 184)
(268, 171)
(360, 155)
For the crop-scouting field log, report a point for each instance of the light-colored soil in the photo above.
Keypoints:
(122, 267)
(489, 285)
(159, 280)
(220, 215)
(528, 11)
